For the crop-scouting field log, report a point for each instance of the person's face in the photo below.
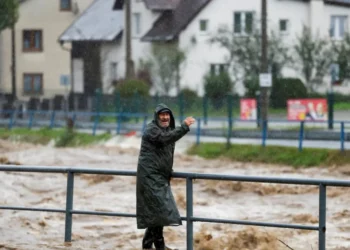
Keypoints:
(164, 119)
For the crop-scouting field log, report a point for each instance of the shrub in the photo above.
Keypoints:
(128, 88)
(251, 86)
(286, 88)
(190, 97)
(216, 87)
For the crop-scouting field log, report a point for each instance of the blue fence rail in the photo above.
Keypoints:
(190, 217)
(95, 121)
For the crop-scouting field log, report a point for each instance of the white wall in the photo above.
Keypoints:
(202, 54)
(53, 61)
(115, 52)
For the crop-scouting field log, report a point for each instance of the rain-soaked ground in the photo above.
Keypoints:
(229, 200)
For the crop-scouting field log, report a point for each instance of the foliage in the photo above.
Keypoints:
(286, 88)
(342, 52)
(8, 13)
(190, 97)
(313, 58)
(273, 154)
(216, 87)
(165, 64)
(245, 55)
(144, 72)
(251, 85)
(128, 88)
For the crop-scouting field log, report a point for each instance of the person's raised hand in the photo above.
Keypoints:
(189, 121)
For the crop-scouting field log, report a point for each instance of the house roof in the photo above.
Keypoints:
(338, 2)
(161, 4)
(171, 23)
(99, 22)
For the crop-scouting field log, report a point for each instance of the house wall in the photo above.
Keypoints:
(53, 61)
(200, 55)
(115, 52)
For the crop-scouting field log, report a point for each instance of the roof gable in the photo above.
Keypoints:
(171, 23)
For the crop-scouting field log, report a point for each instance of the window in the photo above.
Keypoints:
(32, 40)
(114, 72)
(33, 84)
(243, 22)
(283, 26)
(137, 24)
(338, 26)
(65, 5)
(217, 69)
(203, 25)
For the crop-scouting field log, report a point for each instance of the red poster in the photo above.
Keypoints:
(307, 109)
(248, 109)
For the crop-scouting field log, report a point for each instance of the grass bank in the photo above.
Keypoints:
(61, 137)
(273, 154)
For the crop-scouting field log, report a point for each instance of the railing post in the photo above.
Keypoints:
(264, 133)
(52, 122)
(322, 218)
(97, 119)
(31, 118)
(342, 136)
(301, 135)
(12, 117)
(119, 123)
(69, 207)
(189, 213)
(198, 134)
(144, 123)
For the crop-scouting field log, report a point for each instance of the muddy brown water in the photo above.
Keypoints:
(217, 199)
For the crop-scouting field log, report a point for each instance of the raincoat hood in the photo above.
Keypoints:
(161, 108)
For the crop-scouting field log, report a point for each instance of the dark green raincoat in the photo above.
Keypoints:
(155, 204)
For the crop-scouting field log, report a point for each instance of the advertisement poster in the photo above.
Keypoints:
(307, 109)
(248, 109)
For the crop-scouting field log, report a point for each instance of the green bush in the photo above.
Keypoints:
(216, 87)
(251, 86)
(131, 87)
(286, 88)
(190, 97)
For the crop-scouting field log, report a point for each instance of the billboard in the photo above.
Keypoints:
(307, 109)
(248, 109)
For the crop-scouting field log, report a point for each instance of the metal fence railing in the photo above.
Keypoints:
(190, 217)
(228, 128)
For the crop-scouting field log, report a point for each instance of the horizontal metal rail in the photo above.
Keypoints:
(189, 218)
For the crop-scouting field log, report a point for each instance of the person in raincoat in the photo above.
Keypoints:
(155, 204)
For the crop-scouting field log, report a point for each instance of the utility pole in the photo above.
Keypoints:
(129, 63)
(264, 63)
(13, 63)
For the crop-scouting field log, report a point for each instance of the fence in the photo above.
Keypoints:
(189, 218)
(119, 122)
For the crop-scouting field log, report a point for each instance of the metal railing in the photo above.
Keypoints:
(189, 218)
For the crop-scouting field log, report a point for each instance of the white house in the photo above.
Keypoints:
(191, 23)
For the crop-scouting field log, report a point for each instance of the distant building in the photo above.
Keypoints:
(190, 24)
(42, 66)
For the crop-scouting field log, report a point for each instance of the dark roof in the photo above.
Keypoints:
(171, 23)
(338, 2)
(161, 4)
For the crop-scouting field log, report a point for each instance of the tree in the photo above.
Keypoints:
(165, 64)
(8, 13)
(341, 50)
(245, 55)
(8, 18)
(313, 58)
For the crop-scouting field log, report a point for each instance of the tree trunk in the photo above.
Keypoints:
(129, 63)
